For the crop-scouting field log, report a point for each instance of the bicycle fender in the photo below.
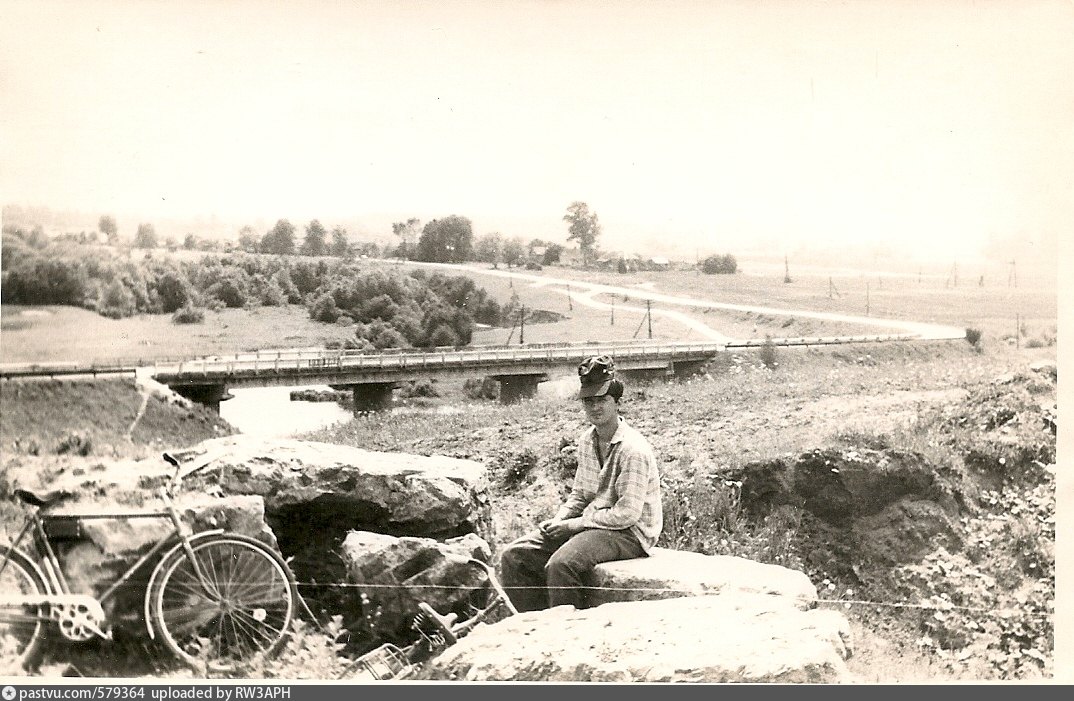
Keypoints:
(29, 561)
(156, 572)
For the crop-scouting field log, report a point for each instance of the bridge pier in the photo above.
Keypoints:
(372, 396)
(515, 388)
(207, 395)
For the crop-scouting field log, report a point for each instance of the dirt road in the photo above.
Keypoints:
(584, 292)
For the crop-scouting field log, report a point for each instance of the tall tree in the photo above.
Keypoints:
(280, 239)
(488, 248)
(584, 228)
(248, 240)
(407, 232)
(513, 251)
(315, 242)
(107, 225)
(340, 247)
(146, 236)
(447, 240)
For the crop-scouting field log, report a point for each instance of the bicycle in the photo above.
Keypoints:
(435, 633)
(215, 599)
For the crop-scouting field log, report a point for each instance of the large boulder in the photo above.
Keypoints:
(725, 638)
(390, 576)
(395, 493)
(665, 574)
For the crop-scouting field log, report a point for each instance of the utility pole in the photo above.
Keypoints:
(570, 305)
(786, 270)
(522, 326)
(613, 313)
(649, 315)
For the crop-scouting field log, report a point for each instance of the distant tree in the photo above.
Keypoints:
(107, 226)
(315, 242)
(720, 265)
(340, 246)
(447, 240)
(513, 251)
(170, 243)
(584, 228)
(280, 239)
(190, 243)
(488, 248)
(552, 254)
(146, 236)
(248, 239)
(407, 232)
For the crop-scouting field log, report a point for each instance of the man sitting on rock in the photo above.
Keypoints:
(613, 512)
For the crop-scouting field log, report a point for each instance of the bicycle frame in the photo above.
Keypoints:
(59, 591)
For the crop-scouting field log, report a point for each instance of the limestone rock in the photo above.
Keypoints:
(394, 574)
(393, 493)
(724, 638)
(671, 573)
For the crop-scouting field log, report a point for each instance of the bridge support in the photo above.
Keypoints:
(207, 395)
(372, 396)
(644, 374)
(515, 388)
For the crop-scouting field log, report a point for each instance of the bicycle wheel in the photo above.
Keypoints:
(243, 610)
(22, 629)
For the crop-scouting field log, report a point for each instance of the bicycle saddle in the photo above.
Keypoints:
(43, 499)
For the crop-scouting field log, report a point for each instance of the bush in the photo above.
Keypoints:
(513, 468)
(720, 265)
(768, 354)
(485, 388)
(189, 315)
(75, 444)
(973, 337)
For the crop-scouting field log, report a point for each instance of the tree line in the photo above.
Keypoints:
(387, 309)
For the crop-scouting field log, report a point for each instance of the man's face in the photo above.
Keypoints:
(600, 410)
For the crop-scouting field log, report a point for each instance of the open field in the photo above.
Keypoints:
(70, 334)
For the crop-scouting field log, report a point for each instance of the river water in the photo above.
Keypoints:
(269, 411)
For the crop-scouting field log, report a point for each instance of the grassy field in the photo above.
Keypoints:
(70, 334)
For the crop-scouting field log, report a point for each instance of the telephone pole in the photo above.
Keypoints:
(649, 316)
(522, 326)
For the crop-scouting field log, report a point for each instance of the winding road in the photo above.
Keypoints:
(583, 292)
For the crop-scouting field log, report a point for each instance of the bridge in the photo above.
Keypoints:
(372, 375)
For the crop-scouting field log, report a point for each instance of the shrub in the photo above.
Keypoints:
(117, 302)
(189, 314)
(513, 468)
(768, 354)
(75, 444)
(973, 337)
(485, 388)
(720, 265)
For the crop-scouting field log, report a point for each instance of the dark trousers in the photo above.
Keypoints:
(538, 572)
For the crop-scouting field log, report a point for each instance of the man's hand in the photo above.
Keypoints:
(560, 530)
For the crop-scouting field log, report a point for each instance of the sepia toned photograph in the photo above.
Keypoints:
(594, 343)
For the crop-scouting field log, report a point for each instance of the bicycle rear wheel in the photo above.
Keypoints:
(243, 611)
(22, 629)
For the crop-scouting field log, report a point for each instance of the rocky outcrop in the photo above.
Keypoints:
(894, 505)
(667, 574)
(726, 638)
(393, 493)
(391, 575)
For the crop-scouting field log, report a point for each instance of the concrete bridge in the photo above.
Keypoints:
(372, 375)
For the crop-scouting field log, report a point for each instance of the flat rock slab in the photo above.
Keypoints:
(725, 638)
(396, 493)
(672, 573)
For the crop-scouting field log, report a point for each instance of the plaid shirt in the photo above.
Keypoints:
(624, 493)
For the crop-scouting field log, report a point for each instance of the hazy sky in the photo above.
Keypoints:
(931, 123)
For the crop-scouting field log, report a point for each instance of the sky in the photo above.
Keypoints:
(930, 126)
